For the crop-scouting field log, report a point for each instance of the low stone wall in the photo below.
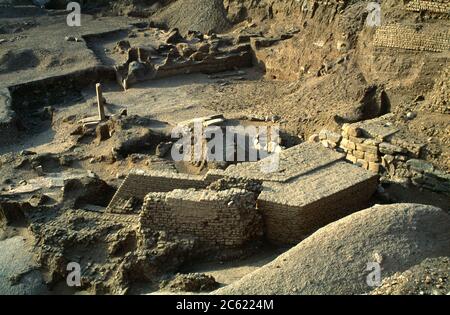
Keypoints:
(435, 6)
(226, 218)
(398, 36)
(136, 186)
(377, 145)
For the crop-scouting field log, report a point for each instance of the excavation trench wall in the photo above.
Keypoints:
(54, 89)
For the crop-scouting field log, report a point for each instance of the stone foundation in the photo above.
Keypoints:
(312, 187)
(293, 211)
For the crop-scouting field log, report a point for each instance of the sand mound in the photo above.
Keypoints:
(334, 259)
(195, 15)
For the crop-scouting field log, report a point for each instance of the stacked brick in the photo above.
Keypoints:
(311, 187)
(329, 139)
(434, 6)
(360, 149)
(378, 146)
(218, 219)
(375, 144)
(398, 36)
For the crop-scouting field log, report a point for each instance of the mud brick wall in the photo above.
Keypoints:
(435, 6)
(217, 218)
(398, 36)
(285, 222)
(135, 187)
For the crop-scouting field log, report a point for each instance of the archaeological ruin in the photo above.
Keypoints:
(162, 147)
(308, 191)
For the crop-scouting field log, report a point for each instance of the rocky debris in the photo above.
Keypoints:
(123, 253)
(70, 39)
(430, 277)
(329, 139)
(42, 163)
(192, 282)
(122, 135)
(39, 200)
(423, 175)
(139, 140)
(185, 50)
(122, 46)
(314, 138)
(174, 37)
(396, 237)
(226, 183)
(411, 115)
(180, 56)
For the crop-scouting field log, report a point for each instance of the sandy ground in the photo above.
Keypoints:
(18, 273)
(228, 272)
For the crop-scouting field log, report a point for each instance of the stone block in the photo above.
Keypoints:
(372, 157)
(358, 154)
(363, 163)
(374, 167)
(351, 158)
(387, 148)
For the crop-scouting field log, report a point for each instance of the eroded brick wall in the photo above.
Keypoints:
(217, 218)
(135, 187)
